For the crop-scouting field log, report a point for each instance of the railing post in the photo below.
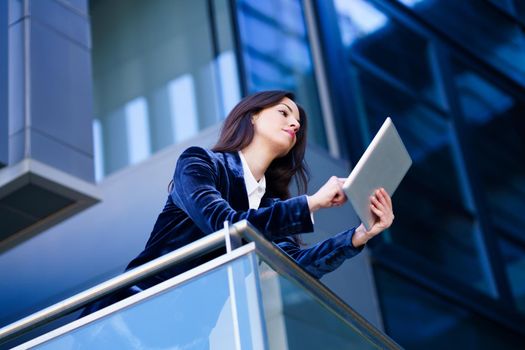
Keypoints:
(233, 241)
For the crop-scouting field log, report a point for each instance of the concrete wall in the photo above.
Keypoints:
(50, 86)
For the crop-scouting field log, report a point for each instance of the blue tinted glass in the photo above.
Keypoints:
(496, 127)
(195, 315)
(418, 319)
(515, 8)
(277, 55)
(433, 217)
(514, 257)
(399, 52)
(479, 26)
(519, 9)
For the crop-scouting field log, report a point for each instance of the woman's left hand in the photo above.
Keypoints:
(381, 206)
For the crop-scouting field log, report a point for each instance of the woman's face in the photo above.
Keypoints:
(277, 126)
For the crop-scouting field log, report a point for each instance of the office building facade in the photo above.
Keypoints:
(98, 98)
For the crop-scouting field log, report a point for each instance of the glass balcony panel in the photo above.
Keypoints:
(277, 55)
(295, 319)
(200, 313)
(443, 231)
(383, 42)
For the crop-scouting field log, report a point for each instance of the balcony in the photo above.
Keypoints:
(251, 297)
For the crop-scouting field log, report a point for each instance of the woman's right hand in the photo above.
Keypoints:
(329, 195)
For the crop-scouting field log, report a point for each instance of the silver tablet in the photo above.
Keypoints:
(384, 164)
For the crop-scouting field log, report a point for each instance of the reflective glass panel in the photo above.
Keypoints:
(434, 219)
(295, 319)
(482, 28)
(514, 256)
(397, 51)
(156, 77)
(202, 313)
(277, 55)
(495, 124)
(519, 9)
(496, 128)
(515, 8)
(419, 319)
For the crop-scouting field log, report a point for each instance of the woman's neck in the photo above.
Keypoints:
(258, 159)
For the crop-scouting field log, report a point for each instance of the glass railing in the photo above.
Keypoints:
(252, 297)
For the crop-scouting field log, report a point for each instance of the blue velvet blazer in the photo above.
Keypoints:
(208, 189)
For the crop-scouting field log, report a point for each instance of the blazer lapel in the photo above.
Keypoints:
(238, 195)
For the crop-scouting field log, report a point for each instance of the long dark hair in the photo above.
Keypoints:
(237, 132)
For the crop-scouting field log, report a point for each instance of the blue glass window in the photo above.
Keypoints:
(479, 26)
(277, 55)
(443, 231)
(418, 319)
(495, 124)
(496, 128)
(373, 39)
(513, 252)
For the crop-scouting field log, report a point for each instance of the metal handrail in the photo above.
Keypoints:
(201, 246)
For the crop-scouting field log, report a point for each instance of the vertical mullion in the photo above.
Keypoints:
(4, 130)
(321, 79)
(489, 241)
(339, 82)
(237, 40)
(216, 71)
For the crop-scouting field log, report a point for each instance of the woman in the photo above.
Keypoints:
(247, 176)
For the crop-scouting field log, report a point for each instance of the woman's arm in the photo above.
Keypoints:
(196, 192)
(325, 256)
(328, 255)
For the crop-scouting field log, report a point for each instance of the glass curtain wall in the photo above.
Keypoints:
(457, 101)
(277, 55)
(480, 27)
(163, 70)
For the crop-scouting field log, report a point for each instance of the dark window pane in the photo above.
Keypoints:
(514, 256)
(515, 8)
(277, 55)
(418, 319)
(433, 219)
(496, 128)
(480, 27)
(519, 9)
(370, 35)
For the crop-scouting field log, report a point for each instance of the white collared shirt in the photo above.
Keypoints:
(254, 189)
